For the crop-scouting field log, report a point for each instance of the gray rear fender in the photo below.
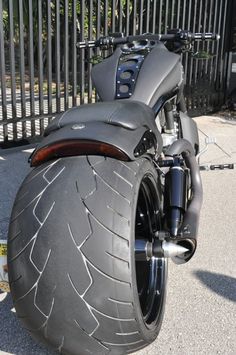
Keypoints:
(128, 127)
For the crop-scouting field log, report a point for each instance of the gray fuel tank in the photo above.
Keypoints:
(143, 75)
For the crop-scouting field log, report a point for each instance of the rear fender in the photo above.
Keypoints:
(97, 138)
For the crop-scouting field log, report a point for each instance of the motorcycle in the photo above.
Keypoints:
(115, 191)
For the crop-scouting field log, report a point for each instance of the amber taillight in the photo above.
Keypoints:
(76, 147)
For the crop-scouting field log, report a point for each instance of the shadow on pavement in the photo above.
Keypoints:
(223, 285)
(13, 338)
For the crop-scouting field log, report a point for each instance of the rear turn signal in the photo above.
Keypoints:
(76, 147)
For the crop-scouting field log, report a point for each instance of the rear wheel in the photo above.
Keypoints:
(74, 279)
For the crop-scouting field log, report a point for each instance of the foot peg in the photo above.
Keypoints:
(207, 167)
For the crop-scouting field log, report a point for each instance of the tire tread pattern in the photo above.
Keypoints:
(101, 317)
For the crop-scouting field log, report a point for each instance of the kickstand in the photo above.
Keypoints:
(208, 141)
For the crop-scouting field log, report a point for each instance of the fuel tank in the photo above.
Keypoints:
(142, 73)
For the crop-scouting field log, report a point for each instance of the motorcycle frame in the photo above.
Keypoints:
(126, 144)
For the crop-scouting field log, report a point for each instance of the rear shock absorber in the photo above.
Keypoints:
(175, 197)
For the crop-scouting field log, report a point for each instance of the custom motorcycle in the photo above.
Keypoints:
(115, 191)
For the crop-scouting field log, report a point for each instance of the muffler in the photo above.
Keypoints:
(179, 239)
(182, 220)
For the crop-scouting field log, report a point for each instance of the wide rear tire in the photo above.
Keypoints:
(71, 254)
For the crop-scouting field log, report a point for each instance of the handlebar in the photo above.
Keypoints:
(116, 39)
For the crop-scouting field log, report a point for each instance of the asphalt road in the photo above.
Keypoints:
(200, 315)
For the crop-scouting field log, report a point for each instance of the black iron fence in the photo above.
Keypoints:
(43, 73)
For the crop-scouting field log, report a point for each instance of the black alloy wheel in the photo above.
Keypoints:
(150, 274)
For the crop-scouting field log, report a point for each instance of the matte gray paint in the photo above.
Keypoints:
(122, 138)
(104, 76)
(119, 123)
(160, 73)
(189, 228)
(189, 130)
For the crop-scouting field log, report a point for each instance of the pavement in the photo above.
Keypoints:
(200, 315)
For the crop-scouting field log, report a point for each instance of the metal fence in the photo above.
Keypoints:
(43, 73)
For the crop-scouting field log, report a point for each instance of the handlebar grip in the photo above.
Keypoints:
(205, 36)
(86, 44)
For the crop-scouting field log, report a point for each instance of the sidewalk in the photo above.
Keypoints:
(201, 302)
(13, 169)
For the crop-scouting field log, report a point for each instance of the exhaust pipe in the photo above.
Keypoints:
(183, 221)
(187, 233)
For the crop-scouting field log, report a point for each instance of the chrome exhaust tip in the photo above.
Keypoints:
(172, 250)
(145, 250)
(188, 244)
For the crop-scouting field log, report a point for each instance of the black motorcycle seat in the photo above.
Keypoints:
(126, 114)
